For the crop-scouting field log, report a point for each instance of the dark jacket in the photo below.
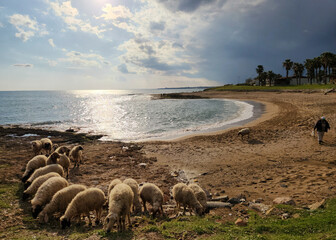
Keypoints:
(318, 126)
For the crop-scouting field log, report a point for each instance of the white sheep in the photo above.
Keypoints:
(44, 170)
(185, 195)
(76, 155)
(45, 193)
(64, 161)
(84, 202)
(135, 188)
(54, 147)
(151, 193)
(53, 158)
(37, 183)
(46, 145)
(33, 164)
(63, 150)
(113, 183)
(60, 201)
(37, 147)
(243, 132)
(120, 203)
(200, 195)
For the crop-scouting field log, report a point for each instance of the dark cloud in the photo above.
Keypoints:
(266, 34)
(157, 26)
(23, 65)
(123, 68)
(185, 5)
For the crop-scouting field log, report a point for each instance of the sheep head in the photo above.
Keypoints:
(110, 220)
(64, 222)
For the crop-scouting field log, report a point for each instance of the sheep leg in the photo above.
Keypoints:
(144, 205)
(88, 215)
(98, 215)
(177, 208)
(129, 219)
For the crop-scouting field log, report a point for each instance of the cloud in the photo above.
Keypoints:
(75, 59)
(51, 42)
(113, 13)
(1, 25)
(27, 27)
(184, 5)
(71, 17)
(27, 65)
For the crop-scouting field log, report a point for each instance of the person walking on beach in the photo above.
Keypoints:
(321, 126)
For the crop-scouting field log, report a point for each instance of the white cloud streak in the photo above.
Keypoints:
(51, 42)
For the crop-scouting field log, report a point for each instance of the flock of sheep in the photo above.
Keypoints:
(51, 193)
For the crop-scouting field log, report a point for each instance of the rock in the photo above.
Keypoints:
(223, 198)
(317, 205)
(213, 204)
(143, 165)
(241, 222)
(285, 216)
(284, 200)
(259, 207)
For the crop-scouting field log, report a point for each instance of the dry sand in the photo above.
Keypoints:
(280, 158)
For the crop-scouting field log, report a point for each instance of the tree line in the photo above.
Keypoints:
(313, 67)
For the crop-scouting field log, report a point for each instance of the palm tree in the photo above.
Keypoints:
(326, 60)
(309, 65)
(260, 70)
(317, 66)
(298, 70)
(271, 76)
(287, 64)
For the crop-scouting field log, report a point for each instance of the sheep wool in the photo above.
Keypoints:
(113, 183)
(199, 194)
(151, 193)
(76, 155)
(64, 161)
(120, 203)
(63, 150)
(37, 183)
(135, 188)
(45, 193)
(52, 159)
(185, 195)
(60, 201)
(33, 164)
(37, 147)
(88, 200)
(44, 170)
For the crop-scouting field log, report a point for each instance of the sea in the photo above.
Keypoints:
(122, 115)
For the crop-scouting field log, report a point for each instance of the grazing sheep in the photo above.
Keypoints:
(120, 203)
(84, 202)
(37, 147)
(52, 159)
(75, 155)
(54, 147)
(185, 195)
(112, 185)
(37, 183)
(135, 188)
(46, 145)
(60, 201)
(243, 132)
(33, 164)
(64, 161)
(200, 195)
(63, 150)
(45, 193)
(151, 193)
(44, 170)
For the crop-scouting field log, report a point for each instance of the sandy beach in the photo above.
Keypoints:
(280, 158)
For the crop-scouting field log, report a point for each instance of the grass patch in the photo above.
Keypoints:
(273, 88)
(8, 194)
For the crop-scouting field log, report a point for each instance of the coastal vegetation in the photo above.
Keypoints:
(319, 70)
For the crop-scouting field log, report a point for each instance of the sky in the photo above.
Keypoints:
(132, 44)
